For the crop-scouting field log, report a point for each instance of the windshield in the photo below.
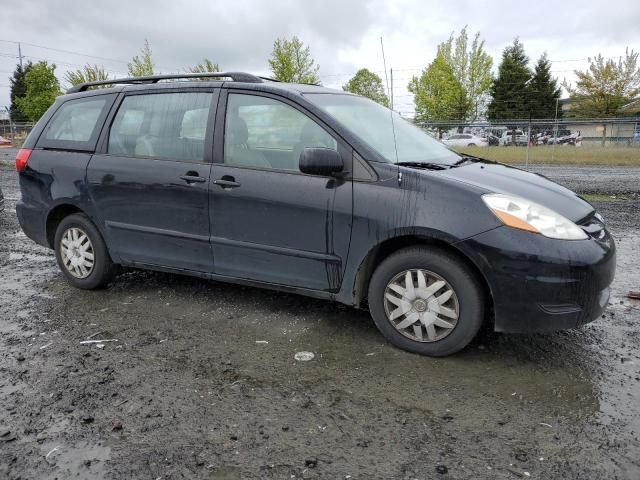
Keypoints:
(371, 122)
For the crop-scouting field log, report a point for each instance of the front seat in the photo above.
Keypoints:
(237, 150)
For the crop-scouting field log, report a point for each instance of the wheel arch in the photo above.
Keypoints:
(382, 250)
(55, 216)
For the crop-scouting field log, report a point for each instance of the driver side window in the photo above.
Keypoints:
(261, 132)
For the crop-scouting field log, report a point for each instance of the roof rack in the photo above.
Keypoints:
(234, 76)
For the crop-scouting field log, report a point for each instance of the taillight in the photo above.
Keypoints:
(22, 158)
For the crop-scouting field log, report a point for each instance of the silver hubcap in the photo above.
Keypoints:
(421, 305)
(77, 254)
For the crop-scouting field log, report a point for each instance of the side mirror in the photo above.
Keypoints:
(320, 161)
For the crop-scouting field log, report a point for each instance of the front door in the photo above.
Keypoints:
(150, 185)
(269, 222)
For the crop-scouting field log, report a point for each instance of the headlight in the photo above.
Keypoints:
(523, 214)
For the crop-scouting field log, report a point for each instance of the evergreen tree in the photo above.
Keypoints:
(544, 91)
(367, 84)
(18, 90)
(510, 91)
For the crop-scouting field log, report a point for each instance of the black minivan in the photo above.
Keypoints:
(310, 190)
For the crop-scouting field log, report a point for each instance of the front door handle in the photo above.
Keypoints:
(193, 177)
(227, 181)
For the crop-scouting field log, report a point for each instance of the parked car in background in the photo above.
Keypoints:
(564, 137)
(507, 138)
(4, 141)
(492, 140)
(465, 140)
(305, 189)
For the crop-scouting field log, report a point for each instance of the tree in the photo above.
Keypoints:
(18, 90)
(367, 84)
(472, 69)
(88, 73)
(605, 87)
(438, 95)
(509, 90)
(544, 92)
(207, 66)
(291, 62)
(141, 66)
(42, 90)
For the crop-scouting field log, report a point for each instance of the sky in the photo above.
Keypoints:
(343, 35)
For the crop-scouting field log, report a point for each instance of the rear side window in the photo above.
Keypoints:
(76, 124)
(169, 126)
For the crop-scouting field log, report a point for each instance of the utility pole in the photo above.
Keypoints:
(20, 54)
(391, 88)
(555, 133)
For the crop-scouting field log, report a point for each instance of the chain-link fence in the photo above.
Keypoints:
(596, 141)
(12, 133)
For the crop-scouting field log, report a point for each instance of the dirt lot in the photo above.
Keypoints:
(202, 383)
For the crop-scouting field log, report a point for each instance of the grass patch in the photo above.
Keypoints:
(601, 197)
(629, 157)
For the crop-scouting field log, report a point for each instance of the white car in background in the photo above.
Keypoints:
(465, 140)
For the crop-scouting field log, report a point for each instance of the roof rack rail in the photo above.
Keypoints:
(234, 76)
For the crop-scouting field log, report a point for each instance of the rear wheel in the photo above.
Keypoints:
(426, 301)
(471, 145)
(81, 253)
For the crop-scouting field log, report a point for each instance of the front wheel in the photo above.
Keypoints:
(426, 301)
(81, 253)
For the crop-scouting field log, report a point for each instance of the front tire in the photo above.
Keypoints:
(81, 253)
(427, 301)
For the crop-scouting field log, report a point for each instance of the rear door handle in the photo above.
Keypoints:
(193, 177)
(227, 182)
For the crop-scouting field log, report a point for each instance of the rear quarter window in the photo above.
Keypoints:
(76, 124)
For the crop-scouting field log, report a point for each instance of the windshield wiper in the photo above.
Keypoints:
(425, 165)
(466, 159)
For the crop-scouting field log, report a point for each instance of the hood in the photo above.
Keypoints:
(498, 178)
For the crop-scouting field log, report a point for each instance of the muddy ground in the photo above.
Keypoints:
(202, 382)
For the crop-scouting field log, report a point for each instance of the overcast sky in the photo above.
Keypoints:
(344, 35)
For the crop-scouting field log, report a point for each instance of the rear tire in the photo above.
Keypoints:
(443, 322)
(81, 253)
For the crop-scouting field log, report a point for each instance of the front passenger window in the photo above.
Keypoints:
(262, 132)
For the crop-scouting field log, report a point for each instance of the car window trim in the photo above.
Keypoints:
(103, 144)
(74, 145)
(344, 149)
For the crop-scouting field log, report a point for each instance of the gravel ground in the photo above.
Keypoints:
(202, 382)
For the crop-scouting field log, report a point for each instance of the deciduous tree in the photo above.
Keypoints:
(291, 61)
(471, 66)
(607, 85)
(42, 90)
(88, 73)
(141, 66)
(438, 95)
(367, 84)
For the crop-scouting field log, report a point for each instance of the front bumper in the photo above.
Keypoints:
(540, 284)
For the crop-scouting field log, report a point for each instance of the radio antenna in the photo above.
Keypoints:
(389, 93)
